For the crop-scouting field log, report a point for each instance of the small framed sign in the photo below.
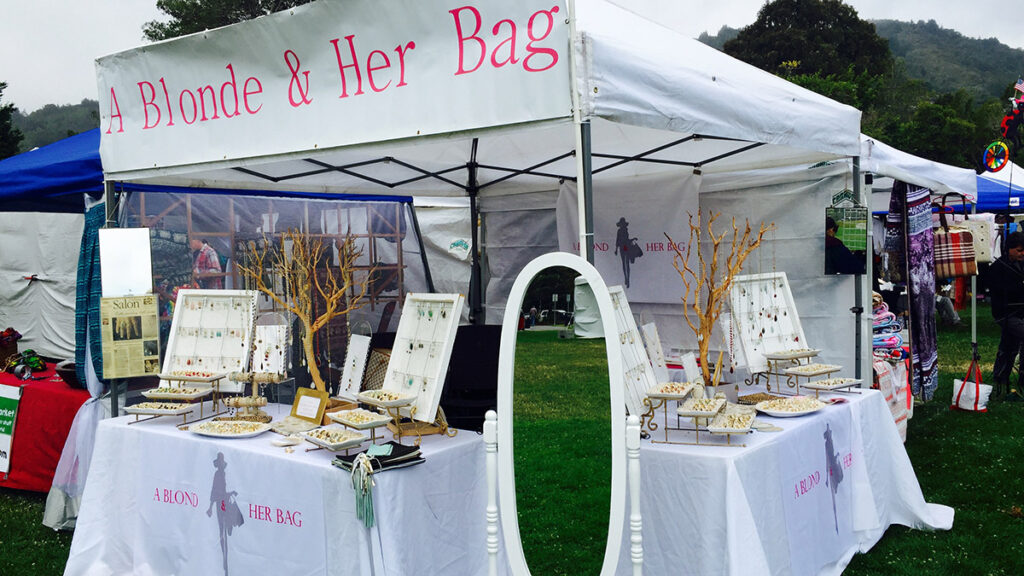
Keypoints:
(309, 405)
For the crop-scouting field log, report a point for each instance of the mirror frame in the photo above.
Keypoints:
(506, 376)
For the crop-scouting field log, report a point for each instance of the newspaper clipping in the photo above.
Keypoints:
(131, 336)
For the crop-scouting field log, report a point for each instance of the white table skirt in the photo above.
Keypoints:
(144, 510)
(711, 510)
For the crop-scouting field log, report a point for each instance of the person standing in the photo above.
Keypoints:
(1006, 286)
(206, 261)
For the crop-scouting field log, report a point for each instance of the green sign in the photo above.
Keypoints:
(8, 408)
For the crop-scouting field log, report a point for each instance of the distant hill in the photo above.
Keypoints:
(947, 60)
(718, 41)
(943, 59)
(52, 123)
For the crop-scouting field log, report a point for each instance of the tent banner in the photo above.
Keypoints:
(331, 74)
(9, 398)
(631, 220)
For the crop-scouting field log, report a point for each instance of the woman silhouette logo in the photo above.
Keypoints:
(228, 514)
(626, 248)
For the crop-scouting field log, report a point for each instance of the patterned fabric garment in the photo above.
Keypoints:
(208, 261)
(914, 243)
(87, 294)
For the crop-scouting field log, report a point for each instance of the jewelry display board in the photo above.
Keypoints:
(422, 350)
(355, 364)
(765, 317)
(652, 343)
(211, 333)
(638, 372)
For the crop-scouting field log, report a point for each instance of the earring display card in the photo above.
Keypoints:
(765, 318)
(211, 334)
(652, 343)
(355, 364)
(423, 348)
(639, 374)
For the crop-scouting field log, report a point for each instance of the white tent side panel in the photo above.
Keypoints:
(42, 310)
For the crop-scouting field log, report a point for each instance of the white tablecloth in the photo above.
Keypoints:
(144, 510)
(770, 507)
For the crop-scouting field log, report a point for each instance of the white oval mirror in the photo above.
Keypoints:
(506, 377)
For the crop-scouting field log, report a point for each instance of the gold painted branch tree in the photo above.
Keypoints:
(707, 280)
(339, 291)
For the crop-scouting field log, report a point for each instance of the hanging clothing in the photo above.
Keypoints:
(913, 242)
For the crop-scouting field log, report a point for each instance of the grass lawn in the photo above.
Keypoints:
(972, 462)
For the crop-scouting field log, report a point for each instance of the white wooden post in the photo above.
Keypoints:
(636, 548)
(491, 444)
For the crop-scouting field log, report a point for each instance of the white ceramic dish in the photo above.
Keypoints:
(152, 409)
(689, 408)
(813, 369)
(386, 398)
(831, 383)
(334, 439)
(792, 354)
(776, 407)
(718, 424)
(670, 391)
(359, 419)
(229, 428)
(193, 394)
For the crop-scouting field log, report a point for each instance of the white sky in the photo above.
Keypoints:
(47, 47)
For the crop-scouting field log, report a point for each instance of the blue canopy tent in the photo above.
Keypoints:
(1001, 191)
(53, 178)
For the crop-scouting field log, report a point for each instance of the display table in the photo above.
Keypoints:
(146, 503)
(773, 507)
(45, 413)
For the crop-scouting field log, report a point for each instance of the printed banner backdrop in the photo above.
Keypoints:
(631, 218)
(330, 74)
(816, 490)
(202, 508)
(9, 398)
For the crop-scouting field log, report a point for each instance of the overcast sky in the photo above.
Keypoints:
(47, 47)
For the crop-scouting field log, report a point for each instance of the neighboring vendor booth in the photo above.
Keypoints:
(42, 206)
(562, 126)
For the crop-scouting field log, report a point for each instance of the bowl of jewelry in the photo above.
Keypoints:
(815, 369)
(386, 398)
(334, 438)
(790, 406)
(359, 418)
(731, 423)
(670, 390)
(701, 407)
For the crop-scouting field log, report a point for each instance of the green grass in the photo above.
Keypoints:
(26, 546)
(972, 462)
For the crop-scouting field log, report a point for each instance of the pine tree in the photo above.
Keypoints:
(10, 137)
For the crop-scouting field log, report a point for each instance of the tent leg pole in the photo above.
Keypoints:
(423, 250)
(476, 315)
(858, 296)
(585, 191)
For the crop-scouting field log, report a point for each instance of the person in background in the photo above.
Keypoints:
(1006, 286)
(944, 306)
(838, 258)
(206, 261)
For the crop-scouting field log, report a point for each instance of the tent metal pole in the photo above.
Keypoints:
(974, 300)
(584, 174)
(423, 250)
(858, 296)
(476, 315)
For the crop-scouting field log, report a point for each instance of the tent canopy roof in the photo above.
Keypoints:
(1001, 191)
(652, 95)
(52, 178)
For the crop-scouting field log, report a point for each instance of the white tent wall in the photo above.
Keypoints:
(795, 200)
(445, 229)
(517, 228)
(42, 310)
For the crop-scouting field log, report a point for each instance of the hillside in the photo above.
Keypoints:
(52, 122)
(943, 59)
(947, 60)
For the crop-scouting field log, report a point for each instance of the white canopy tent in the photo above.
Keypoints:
(888, 164)
(323, 98)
